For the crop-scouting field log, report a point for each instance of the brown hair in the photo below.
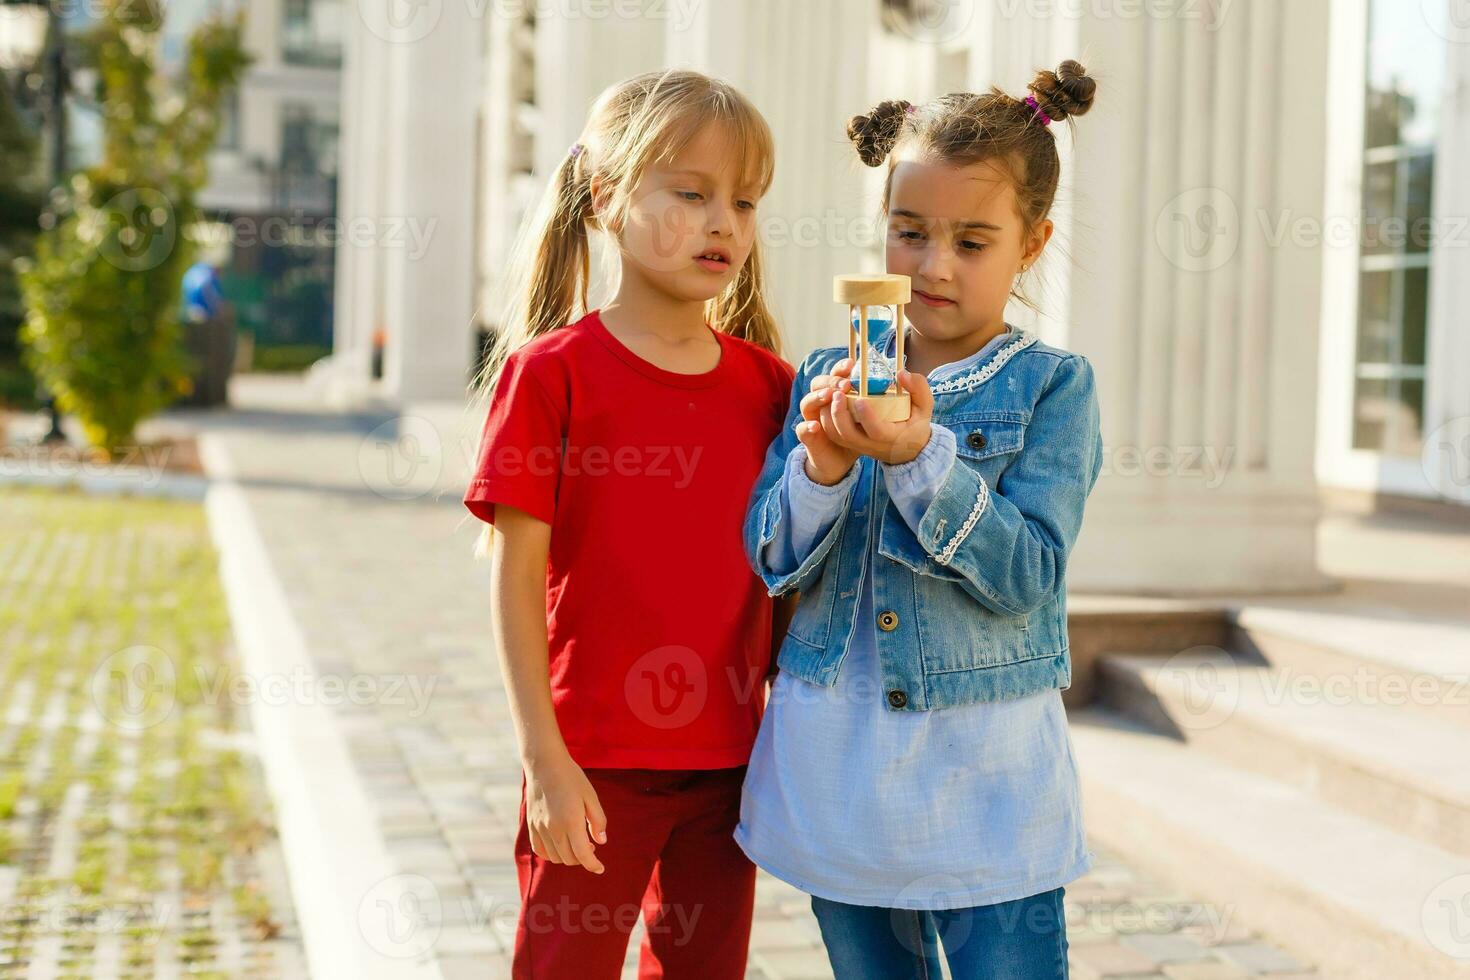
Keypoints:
(635, 124)
(964, 128)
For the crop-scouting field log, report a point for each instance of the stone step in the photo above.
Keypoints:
(1398, 767)
(1400, 656)
(1360, 900)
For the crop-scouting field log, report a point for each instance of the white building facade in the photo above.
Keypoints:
(1248, 351)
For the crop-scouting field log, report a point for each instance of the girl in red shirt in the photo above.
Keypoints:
(617, 457)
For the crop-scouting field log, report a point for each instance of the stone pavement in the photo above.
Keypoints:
(360, 514)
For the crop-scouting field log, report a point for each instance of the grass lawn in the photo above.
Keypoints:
(135, 831)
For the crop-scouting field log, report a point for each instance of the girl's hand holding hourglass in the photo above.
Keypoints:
(836, 429)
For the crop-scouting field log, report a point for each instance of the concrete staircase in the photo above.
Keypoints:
(1315, 780)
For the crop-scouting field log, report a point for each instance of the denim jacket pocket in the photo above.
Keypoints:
(987, 437)
(811, 623)
(966, 636)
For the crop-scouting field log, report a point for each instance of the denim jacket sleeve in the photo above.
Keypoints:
(768, 515)
(912, 485)
(1009, 544)
(808, 509)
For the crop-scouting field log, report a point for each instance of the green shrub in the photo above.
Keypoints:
(288, 357)
(102, 292)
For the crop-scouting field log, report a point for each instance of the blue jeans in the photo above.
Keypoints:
(1024, 939)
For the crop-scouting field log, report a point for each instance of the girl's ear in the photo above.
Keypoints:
(601, 196)
(1036, 243)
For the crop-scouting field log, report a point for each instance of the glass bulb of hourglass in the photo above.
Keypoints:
(881, 370)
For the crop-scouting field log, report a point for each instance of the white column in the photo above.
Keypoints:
(805, 67)
(1446, 460)
(357, 290)
(1201, 322)
(425, 233)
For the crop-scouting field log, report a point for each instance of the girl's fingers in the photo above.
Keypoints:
(810, 404)
(596, 819)
(843, 421)
(872, 428)
(917, 385)
(582, 853)
(542, 840)
(829, 429)
(562, 848)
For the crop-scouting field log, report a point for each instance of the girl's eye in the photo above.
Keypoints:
(748, 205)
(690, 195)
(973, 246)
(909, 236)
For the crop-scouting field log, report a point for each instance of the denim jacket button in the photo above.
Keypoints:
(888, 621)
(897, 698)
(976, 439)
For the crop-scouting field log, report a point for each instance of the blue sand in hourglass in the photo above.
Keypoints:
(880, 369)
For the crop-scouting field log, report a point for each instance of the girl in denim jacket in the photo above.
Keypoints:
(913, 771)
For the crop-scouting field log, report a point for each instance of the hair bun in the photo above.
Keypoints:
(1064, 93)
(875, 132)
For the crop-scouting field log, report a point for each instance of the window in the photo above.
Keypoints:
(1405, 71)
(311, 33)
(308, 142)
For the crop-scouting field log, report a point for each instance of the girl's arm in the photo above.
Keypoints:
(560, 801)
(785, 563)
(1010, 546)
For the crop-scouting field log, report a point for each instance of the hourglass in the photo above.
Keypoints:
(874, 303)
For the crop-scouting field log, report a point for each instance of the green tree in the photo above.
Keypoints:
(102, 293)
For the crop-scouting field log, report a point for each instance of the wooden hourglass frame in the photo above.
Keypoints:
(860, 292)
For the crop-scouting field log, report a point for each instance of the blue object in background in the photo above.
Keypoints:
(202, 296)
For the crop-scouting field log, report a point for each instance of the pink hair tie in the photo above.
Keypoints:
(1036, 107)
(575, 150)
(910, 109)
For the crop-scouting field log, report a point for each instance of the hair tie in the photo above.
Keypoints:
(576, 149)
(910, 109)
(1036, 107)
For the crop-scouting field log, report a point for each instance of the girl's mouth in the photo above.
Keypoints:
(714, 260)
(929, 299)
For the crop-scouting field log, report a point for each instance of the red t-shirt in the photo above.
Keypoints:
(658, 629)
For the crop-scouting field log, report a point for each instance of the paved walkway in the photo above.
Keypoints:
(373, 548)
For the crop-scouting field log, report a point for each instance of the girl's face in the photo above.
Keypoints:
(956, 232)
(690, 222)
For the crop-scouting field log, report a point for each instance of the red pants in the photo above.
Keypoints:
(670, 855)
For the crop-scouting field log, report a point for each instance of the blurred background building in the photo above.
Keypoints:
(1257, 238)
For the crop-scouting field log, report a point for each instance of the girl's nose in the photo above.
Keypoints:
(936, 264)
(721, 219)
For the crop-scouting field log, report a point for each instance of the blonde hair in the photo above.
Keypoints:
(645, 120)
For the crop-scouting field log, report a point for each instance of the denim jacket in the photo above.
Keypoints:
(973, 607)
